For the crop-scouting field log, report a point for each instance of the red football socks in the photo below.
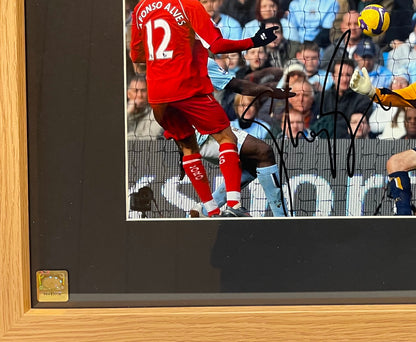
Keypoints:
(231, 170)
(195, 170)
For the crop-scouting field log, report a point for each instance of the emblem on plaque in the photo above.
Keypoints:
(52, 286)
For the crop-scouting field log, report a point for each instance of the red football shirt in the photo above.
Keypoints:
(172, 36)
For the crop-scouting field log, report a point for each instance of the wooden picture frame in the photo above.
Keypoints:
(19, 322)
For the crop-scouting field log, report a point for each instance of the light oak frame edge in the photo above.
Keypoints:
(19, 322)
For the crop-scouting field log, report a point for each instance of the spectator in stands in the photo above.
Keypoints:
(365, 56)
(359, 126)
(308, 55)
(395, 128)
(292, 125)
(235, 62)
(335, 32)
(256, 59)
(141, 124)
(271, 111)
(129, 7)
(388, 123)
(292, 70)
(278, 50)
(241, 10)
(411, 69)
(312, 20)
(265, 9)
(349, 22)
(304, 101)
(402, 54)
(293, 73)
(229, 27)
(401, 24)
(340, 102)
(410, 123)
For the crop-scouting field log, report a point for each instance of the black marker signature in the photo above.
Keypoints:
(322, 133)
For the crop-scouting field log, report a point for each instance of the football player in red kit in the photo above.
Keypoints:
(172, 38)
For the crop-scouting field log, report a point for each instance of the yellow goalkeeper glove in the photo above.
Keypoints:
(362, 83)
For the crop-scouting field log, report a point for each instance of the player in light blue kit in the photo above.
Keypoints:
(251, 149)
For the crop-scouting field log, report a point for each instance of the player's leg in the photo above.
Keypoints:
(208, 117)
(195, 170)
(398, 167)
(209, 150)
(257, 160)
(229, 161)
(267, 172)
(178, 128)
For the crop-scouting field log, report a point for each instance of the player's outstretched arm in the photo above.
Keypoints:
(245, 87)
(362, 83)
(405, 97)
(262, 37)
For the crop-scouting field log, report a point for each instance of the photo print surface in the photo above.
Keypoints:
(328, 142)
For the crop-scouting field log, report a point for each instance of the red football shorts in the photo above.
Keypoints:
(179, 119)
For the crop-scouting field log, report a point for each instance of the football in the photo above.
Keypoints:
(374, 20)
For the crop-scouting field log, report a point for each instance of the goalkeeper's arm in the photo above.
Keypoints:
(405, 97)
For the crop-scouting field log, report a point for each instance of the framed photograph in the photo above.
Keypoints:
(38, 234)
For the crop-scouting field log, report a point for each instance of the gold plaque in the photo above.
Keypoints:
(52, 286)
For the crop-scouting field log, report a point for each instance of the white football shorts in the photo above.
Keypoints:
(209, 149)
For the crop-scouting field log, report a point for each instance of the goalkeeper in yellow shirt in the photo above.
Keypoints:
(400, 163)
